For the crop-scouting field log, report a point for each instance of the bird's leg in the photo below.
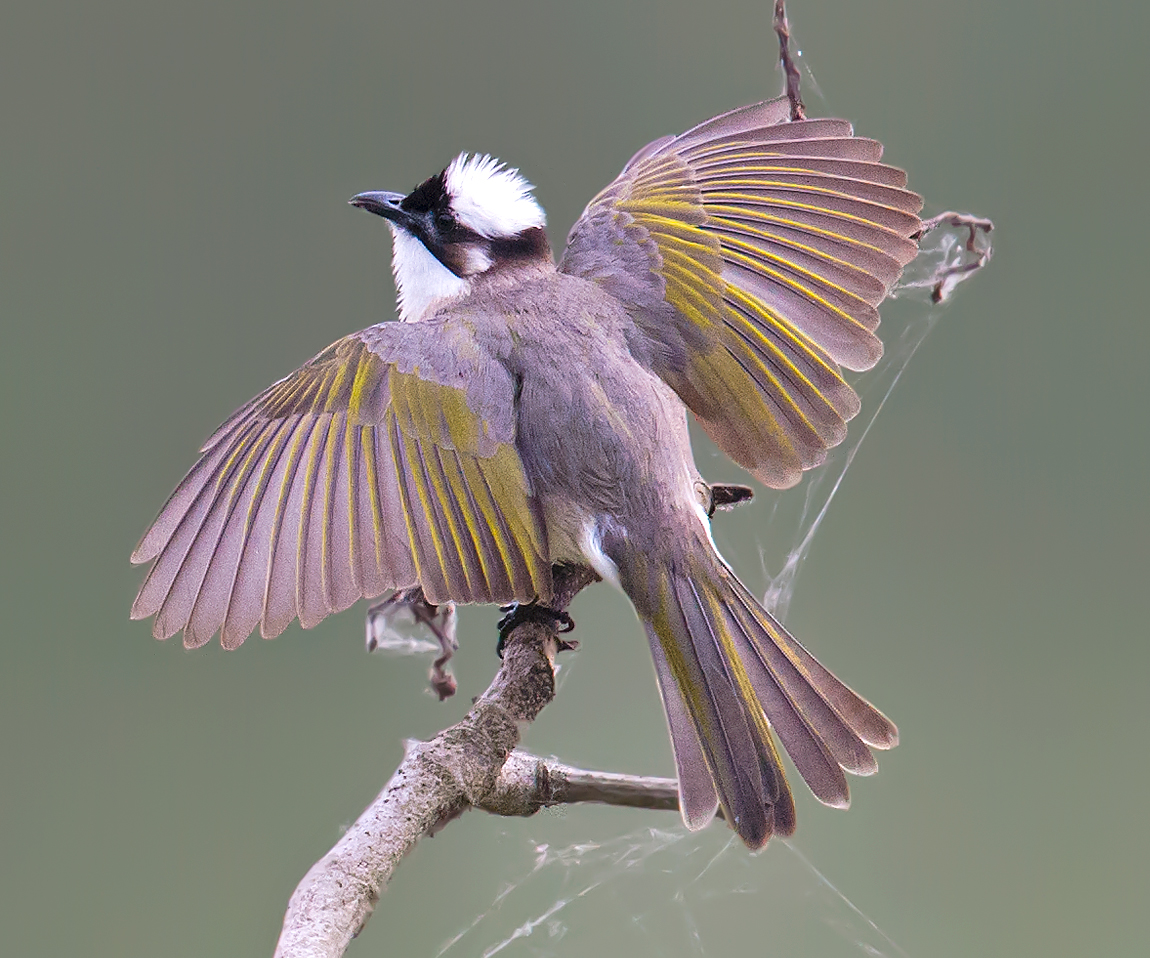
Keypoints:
(519, 612)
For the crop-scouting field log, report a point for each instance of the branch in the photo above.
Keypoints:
(436, 782)
(440, 620)
(528, 783)
(948, 275)
(790, 71)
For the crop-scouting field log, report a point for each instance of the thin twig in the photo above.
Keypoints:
(528, 783)
(783, 30)
(947, 277)
(951, 218)
(439, 620)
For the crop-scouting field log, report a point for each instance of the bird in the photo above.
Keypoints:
(523, 413)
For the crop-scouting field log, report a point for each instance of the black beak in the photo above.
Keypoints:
(381, 204)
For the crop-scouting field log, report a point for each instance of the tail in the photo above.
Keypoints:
(729, 673)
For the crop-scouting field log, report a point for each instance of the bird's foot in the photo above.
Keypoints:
(517, 613)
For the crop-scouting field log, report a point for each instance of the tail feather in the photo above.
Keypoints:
(874, 728)
(701, 674)
(798, 734)
(765, 646)
(728, 673)
(698, 800)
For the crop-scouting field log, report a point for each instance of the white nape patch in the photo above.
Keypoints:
(476, 259)
(591, 545)
(419, 277)
(491, 199)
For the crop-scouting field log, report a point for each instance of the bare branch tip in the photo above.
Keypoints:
(782, 29)
(948, 275)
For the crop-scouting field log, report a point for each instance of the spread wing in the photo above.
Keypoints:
(386, 461)
(752, 253)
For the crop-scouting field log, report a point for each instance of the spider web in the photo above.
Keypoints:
(905, 327)
(666, 892)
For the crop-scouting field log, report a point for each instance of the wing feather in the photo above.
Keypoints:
(825, 228)
(220, 558)
(828, 202)
(344, 587)
(279, 602)
(466, 533)
(791, 355)
(520, 568)
(766, 161)
(855, 148)
(311, 603)
(179, 569)
(387, 461)
(396, 565)
(429, 485)
(245, 602)
(505, 576)
(805, 413)
(183, 500)
(819, 269)
(864, 261)
(775, 240)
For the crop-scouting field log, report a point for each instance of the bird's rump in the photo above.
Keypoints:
(385, 462)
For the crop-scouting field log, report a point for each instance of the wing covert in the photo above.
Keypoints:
(386, 461)
(752, 253)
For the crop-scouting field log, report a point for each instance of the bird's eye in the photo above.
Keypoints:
(444, 221)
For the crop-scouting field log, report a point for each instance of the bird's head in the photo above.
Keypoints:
(474, 217)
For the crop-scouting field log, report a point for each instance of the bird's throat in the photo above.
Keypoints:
(421, 280)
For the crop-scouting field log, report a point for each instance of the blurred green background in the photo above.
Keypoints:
(175, 235)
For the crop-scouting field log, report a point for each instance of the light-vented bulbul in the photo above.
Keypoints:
(523, 414)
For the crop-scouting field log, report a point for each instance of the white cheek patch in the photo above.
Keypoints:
(419, 277)
(491, 199)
